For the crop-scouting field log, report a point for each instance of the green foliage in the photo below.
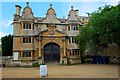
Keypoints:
(36, 65)
(105, 23)
(7, 45)
(83, 38)
(102, 29)
(0, 50)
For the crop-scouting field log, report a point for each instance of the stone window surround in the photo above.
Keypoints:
(27, 40)
(71, 39)
(72, 28)
(27, 25)
(26, 54)
(74, 52)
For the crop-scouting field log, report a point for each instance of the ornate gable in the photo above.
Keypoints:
(72, 17)
(27, 13)
(51, 16)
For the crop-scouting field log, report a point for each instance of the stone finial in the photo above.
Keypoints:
(27, 3)
(71, 7)
(50, 5)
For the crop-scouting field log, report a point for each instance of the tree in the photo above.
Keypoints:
(0, 50)
(7, 45)
(102, 29)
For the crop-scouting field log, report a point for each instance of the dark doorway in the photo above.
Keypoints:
(51, 53)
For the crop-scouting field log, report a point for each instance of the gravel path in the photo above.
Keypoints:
(60, 71)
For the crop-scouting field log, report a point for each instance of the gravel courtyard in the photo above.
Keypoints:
(60, 71)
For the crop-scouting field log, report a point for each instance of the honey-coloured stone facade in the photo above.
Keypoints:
(47, 38)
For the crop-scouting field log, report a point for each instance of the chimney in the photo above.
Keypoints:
(18, 10)
(76, 12)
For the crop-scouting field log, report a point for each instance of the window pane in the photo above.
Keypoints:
(70, 53)
(24, 54)
(29, 54)
(26, 25)
(23, 25)
(29, 26)
(72, 28)
(73, 53)
(68, 28)
(26, 40)
(29, 40)
(23, 40)
(73, 39)
(69, 40)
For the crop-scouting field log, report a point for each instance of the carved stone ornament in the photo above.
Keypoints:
(51, 32)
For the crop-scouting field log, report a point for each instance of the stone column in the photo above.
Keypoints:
(61, 51)
(40, 54)
(71, 52)
(21, 25)
(70, 28)
(32, 55)
(64, 59)
(64, 47)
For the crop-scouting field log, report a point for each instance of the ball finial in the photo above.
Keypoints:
(50, 5)
(27, 3)
(71, 7)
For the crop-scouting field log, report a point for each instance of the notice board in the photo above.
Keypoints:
(43, 71)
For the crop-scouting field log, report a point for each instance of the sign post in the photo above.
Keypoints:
(43, 71)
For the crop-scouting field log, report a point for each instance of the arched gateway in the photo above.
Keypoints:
(51, 53)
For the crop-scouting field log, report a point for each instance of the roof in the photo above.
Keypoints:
(62, 20)
(39, 19)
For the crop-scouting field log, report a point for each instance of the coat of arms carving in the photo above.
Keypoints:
(51, 31)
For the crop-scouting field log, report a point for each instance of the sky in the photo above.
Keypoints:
(39, 8)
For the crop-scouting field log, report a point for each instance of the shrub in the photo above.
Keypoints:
(36, 65)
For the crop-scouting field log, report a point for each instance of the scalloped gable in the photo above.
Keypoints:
(51, 16)
(27, 12)
(72, 17)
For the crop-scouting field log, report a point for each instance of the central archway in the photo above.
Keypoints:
(51, 53)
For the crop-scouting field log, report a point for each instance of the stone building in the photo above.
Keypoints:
(46, 39)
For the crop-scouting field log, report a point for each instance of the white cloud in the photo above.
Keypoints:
(6, 23)
(2, 34)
